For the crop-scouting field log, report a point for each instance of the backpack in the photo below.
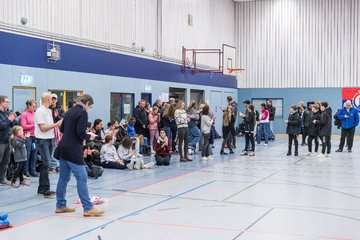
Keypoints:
(95, 171)
(337, 121)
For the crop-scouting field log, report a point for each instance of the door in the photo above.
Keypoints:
(20, 96)
(147, 97)
(197, 96)
(178, 94)
(64, 96)
(215, 105)
(121, 106)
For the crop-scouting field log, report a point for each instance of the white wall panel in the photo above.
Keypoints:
(298, 43)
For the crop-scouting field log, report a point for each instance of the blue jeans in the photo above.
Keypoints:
(45, 148)
(53, 161)
(194, 136)
(30, 165)
(79, 171)
(264, 127)
(271, 128)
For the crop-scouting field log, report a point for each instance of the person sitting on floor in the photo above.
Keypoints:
(131, 157)
(162, 148)
(109, 156)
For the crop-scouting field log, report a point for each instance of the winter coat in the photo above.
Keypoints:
(264, 116)
(20, 154)
(325, 122)
(181, 118)
(165, 151)
(60, 111)
(293, 125)
(235, 107)
(121, 134)
(131, 130)
(305, 121)
(169, 122)
(249, 121)
(153, 121)
(28, 122)
(314, 127)
(351, 121)
(141, 117)
(272, 111)
(206, 123)
(5, 127)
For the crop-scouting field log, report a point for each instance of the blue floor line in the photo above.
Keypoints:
(138, 211)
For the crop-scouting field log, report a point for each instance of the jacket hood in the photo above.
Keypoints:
(328, 111)
(122, 123)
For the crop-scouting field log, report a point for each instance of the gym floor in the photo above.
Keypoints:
(269, 196)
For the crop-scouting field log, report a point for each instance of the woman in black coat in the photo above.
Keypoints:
(249, 120)
(293, 129)
(70, 154)
(325, 128)
(314, 128)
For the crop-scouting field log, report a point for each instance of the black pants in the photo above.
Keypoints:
(45, 147)
(183, 137)
(249, 139)
(305, 131)
(326, 144)
(349, 134)
(293, 137)
(310, 139)
(113, 165)
(206, 145)
(173, 138)
(19, 172)
(162, 160)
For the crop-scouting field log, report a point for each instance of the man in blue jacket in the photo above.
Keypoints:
(350, 119)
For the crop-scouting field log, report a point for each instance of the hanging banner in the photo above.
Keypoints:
(352, 94)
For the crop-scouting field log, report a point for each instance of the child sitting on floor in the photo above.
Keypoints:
(132, 157)
(20, 155)
(162, 148)
(109, 156)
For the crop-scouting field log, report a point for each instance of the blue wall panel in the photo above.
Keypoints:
(293, 96)
(28, 51)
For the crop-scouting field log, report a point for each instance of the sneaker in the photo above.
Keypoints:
(296, 154)
(26, 177)
(5, 182)
(349, 150)
(23, 183)
(231, 152)
(328, 155)
(210, 158)
(251, 153)
(339, 150)
(142, 164)
(265, 145)
(303, 144)
(152, 152)
(14, 185)
(149, 165)
(307, 154)
(65, 210)
(243, 153)
(288, 154)
(131, 164)
(320, 155)
(183, 160)
(204, 158)
(93, 213)
(137, 164)
(223, 153)
(314, 154)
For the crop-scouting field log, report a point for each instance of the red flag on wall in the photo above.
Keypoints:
(352, 94)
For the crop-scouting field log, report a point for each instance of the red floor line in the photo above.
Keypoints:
(26, 223)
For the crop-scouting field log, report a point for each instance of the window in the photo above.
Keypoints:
(277, 103)
(20, 96)
(121, 106)
(64, 96)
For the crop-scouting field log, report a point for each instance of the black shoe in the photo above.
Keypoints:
(349, 150)
(303, 144)
(296, 154)
(47, 193)
(288, 154)
(223, 153)
(27, 175)
(34, 174)
(233, 146)
(231, 152)
(339, 150)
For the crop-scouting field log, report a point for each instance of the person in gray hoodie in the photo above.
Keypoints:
(206, 123)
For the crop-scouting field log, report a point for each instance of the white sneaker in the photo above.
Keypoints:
(142, 165)
(320, 155)
(314, 154)
(210, 158)
(152, 152)
(149, 165)
(139, 155)
(307, 154)
(328, 155)
(251, 153)
(137, 165)
(204, 158)
(265, 145)
(26, 178)
(131, 164)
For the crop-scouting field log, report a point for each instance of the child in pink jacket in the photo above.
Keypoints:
(154, 119)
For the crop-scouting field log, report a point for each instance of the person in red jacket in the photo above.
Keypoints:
(162, 148)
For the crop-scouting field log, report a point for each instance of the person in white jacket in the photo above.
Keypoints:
(182, 119)
(206, 123)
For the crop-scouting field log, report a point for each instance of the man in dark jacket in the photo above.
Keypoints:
(305, 122)
(293, 128)
(272, 111)
(70, 154)
(56, 108)
(350, 119)
(234, 106)
(142, 121)
(6, 122)
(314, 128)
(325, 129)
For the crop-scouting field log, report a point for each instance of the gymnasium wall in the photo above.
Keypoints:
(293, 96)
(298, 43)
(160, 25)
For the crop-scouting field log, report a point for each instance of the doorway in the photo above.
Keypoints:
(19, 97)
(197, 96)
(178, 94)
(121, 106)
(215, 105)
(147, 97)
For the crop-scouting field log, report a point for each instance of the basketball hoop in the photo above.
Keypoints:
(235, 70)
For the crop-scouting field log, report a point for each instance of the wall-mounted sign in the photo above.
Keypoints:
(147, 88)
(26, 79)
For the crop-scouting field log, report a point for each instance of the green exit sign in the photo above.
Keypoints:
(26, 80)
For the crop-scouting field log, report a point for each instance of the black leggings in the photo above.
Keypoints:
(227, 140)
(249, 139)
(183, 137)
(326, 144)
(310, 138)
(293, 137)
(19, 172)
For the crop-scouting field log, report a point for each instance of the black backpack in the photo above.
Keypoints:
(337, 121)
(95, 171)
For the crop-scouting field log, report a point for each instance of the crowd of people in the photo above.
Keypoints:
(165, 130)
